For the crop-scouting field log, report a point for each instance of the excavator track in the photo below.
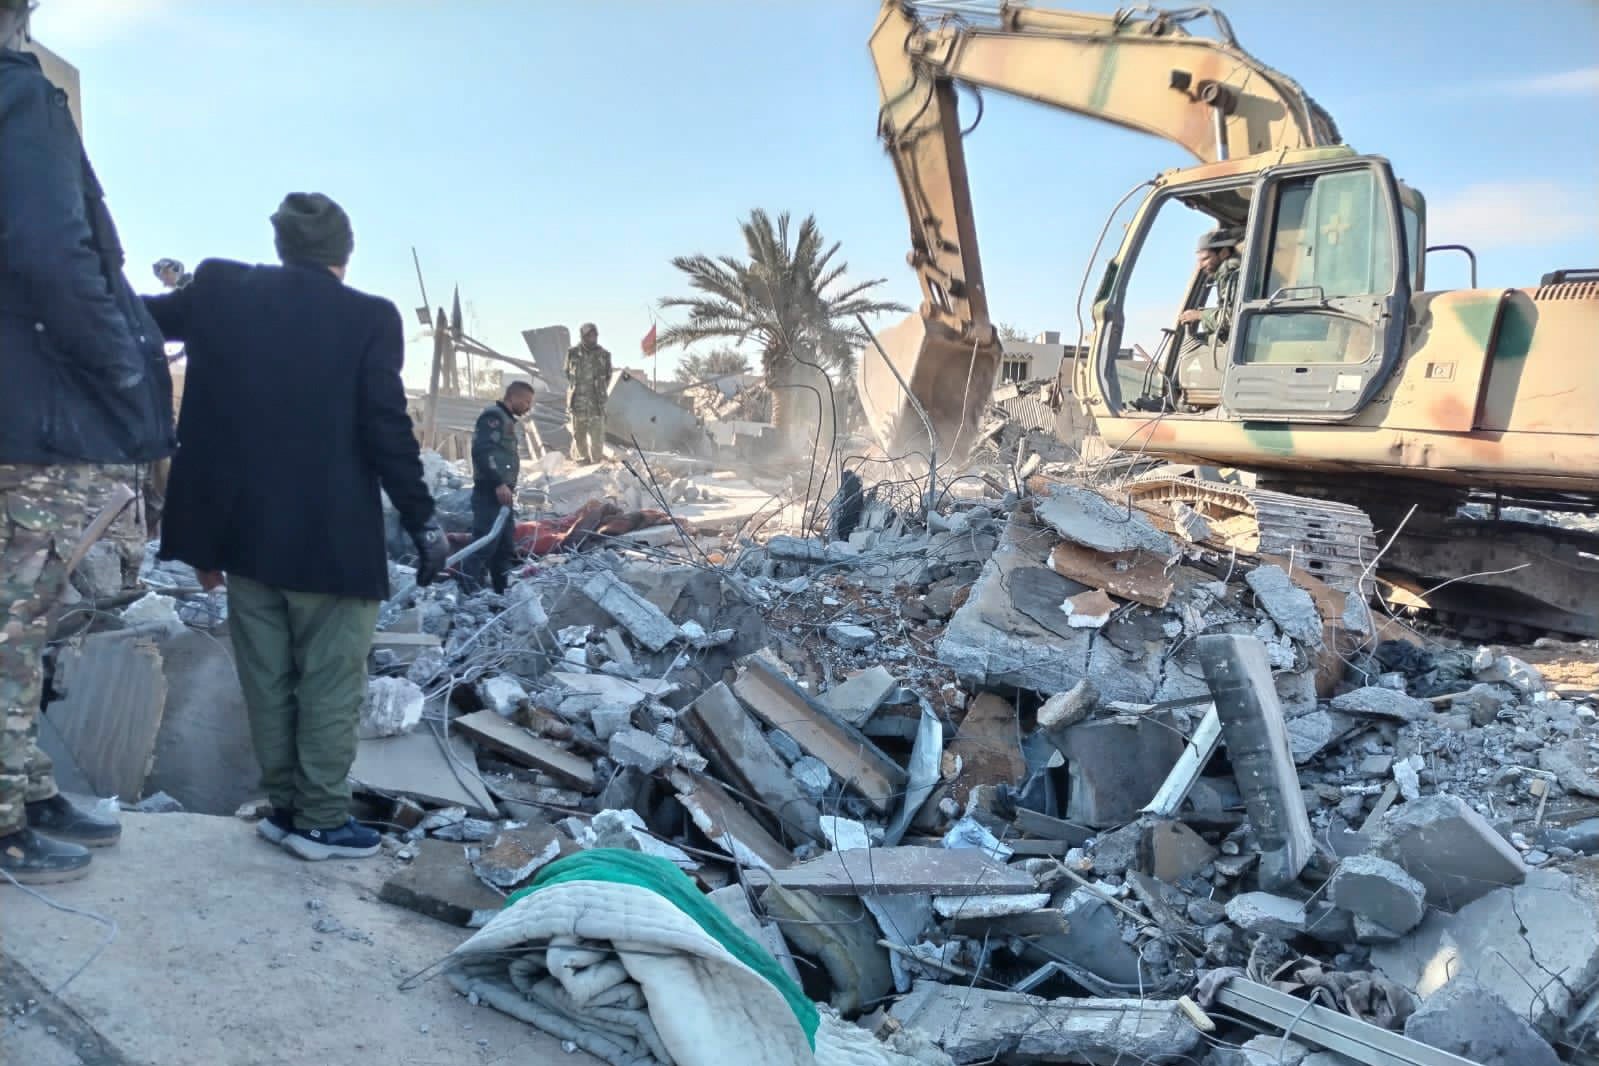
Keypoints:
(1496, 578)
(1330, 541)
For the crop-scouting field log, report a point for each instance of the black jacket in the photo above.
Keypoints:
(495, 459)
(83, 377)
(293, 415)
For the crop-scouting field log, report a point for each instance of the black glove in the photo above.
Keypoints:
(432, 550)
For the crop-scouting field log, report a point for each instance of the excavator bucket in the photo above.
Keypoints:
(926, 380)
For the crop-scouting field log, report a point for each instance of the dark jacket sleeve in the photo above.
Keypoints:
(171, 312)
(386, 431)
(45, 235)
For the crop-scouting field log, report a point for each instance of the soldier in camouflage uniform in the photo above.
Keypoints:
(495, 466)
(588, 382)
(1218, 257)
(86, 394)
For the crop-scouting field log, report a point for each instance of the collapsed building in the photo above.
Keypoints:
(1004, 767)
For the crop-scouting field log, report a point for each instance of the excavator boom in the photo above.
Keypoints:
(1139, 69)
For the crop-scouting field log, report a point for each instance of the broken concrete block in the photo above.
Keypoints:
(439, 883)
(787, 747)
(733, 742)
(1466, 1019)
(154, 611)
(517, 854)
(1518, 674)
(839, 934)
(1263, 914)
(1257, 743)
(1289, 605)
(813, 776)
(1093, 938)
(1311, 734)
(640, 750)
(1569, 763)
(988, 746)
(973, 1024)
(1548, 925)
(844, 834)
(859, 697)
(852, 637)
(1380, 892)
(1115, 767)
(1449, 848)
(1084, 517)
(393, 706)
(608, 719)
(1066, 709)
(980, 906)
(502, 694)
(1088, 610)
(1379, 702)
(1273, 1050)
(641, 618)
(1176, 851)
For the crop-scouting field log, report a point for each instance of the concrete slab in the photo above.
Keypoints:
(218, 958)
(1535, 945)
(1449, 848)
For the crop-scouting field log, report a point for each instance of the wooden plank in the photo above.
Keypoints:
(989, 746)
(906, 871)
(110, 715)
(735, 746)
(517, 744)
(727, 824)
(1139, 576)
(781, 704)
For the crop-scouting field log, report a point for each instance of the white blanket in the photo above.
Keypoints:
(623, 974)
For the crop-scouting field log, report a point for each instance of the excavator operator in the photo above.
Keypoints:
(1218, 258)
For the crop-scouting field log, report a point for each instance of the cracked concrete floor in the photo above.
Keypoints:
(219, 961)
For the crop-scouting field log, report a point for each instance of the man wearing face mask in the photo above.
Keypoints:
(85, 396)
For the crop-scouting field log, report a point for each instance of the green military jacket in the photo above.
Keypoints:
(588, 380)
(1219, 319)
(495, 460)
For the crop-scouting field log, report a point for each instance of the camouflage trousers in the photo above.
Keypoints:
(42, 514)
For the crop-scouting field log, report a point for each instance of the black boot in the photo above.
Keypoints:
(31, 859)
(60, 818)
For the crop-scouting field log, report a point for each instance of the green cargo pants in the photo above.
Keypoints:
(301, 658)
(588, 437)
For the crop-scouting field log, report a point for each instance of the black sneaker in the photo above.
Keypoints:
(31, 859)
(60, 818)
(348, 841)
(277, 825)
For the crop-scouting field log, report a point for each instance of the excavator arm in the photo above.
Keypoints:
(1140, 69)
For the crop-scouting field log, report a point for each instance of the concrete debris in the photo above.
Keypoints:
(849, 636)
(1546, 926)
(512, 859)
(153, 612)
(1382, 702)
(641, 618)
(1263, 914)
(1088, 610)
(1379, 894)
(640, 750)
(1449, 848)
(1467, 1019)
(1288, 605)
(504, 695)
(859, 697)
(439, 883)
(838, 934)
(393, 706)
(1083, 516)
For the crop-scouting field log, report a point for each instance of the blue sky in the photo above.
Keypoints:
(552, 157)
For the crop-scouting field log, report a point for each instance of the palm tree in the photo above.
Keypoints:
(790, 298)
(717, 361)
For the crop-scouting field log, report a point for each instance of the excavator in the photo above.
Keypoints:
(1348, 392)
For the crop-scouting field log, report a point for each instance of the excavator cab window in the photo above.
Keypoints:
(1319, 328)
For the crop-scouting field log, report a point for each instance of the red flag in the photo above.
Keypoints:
(648, 343)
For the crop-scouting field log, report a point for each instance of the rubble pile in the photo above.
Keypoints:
(1027, 777)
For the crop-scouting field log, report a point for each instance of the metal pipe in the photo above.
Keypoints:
(483, 541)
(1219, 119)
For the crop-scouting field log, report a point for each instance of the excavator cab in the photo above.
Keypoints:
(1322, 300)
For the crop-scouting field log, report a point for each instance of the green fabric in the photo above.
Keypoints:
(301, 658)
(659, 876)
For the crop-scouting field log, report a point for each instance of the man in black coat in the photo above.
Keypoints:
(293, 417)
(84, 395)
(495, 465)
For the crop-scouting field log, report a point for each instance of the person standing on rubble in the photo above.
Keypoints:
(588, 382)
(282, 497)
(85, 397)
(496, 463)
